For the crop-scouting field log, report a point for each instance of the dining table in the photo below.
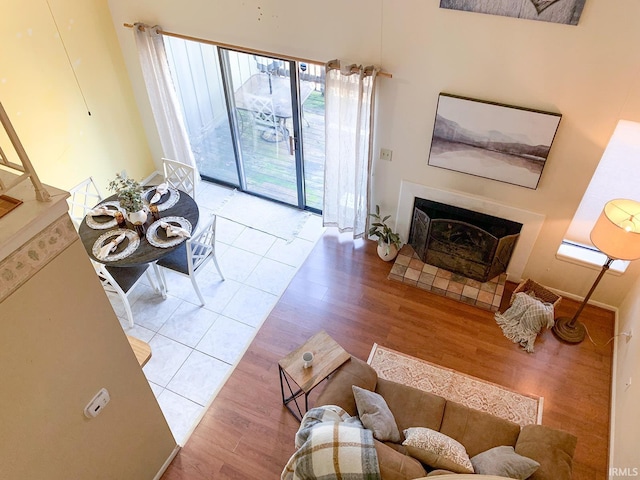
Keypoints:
(175, 207)
(143, 244)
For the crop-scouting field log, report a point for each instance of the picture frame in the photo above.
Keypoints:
(491, 140)
(566, 12)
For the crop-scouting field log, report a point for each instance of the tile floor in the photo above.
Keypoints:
(194, 348)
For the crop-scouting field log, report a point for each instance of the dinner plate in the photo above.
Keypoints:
(102, 222)
(157, 236)
(123, 250)
(166, 201)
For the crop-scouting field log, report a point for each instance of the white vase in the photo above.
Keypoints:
(387, 252)
(137, 218)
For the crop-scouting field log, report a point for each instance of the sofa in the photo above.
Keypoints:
(477, 431)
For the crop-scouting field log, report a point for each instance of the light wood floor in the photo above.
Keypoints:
(342, 288)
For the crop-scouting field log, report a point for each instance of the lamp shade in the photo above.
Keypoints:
(617, 230)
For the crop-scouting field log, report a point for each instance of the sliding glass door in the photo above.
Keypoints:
(197, 78)
(254, 122)
(263, 102)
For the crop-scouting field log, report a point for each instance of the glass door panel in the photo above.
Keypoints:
(261, 89)
(312, 126)
(196, 74)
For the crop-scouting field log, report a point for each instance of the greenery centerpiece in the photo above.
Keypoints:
(129, 193)
(388, 241)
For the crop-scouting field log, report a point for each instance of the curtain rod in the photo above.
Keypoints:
(246, 49)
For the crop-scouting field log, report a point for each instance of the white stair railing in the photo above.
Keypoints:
(26, 170)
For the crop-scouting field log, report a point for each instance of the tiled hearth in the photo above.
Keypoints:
(409, 269)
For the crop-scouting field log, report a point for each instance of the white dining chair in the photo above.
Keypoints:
(180, 175)
(192, 256)
(122, 280)
(84, 197)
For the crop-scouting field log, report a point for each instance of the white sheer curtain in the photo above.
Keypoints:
(349, 108)
(162, 95)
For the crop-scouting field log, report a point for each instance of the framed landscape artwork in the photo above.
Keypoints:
(486, 139)
(558, 11)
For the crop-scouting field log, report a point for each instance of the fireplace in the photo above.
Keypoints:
(472, 244)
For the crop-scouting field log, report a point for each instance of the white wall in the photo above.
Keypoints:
(588, 73)
(626, 421)
(582, 72)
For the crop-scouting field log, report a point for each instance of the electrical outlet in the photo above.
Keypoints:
(385, 154)
(97, 403)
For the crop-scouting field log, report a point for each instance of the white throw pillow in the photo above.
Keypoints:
(437, 450)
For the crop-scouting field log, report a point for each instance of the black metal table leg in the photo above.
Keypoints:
(293, 397)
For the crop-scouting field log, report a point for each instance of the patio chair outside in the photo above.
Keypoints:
(264, 120)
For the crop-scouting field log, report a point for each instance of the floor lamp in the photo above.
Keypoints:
(617, 235)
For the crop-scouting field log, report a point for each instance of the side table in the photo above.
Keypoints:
(328, 355)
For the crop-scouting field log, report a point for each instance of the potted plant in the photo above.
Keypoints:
(130, 198)
(388, 241)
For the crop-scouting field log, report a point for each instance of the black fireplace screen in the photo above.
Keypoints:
(469, 243)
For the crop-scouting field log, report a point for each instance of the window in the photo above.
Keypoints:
(616, 176)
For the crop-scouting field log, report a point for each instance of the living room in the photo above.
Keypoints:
(586, 72)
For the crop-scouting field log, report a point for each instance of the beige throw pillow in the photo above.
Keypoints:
(437, 450)
(375, 415)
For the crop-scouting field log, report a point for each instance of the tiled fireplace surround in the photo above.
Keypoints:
(409, 269)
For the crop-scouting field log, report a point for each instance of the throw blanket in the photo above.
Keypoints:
(332, 446)
(524, 319)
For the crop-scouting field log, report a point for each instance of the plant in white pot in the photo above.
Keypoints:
(388, 241)
(129, 193)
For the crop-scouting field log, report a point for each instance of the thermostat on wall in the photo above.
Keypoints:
(97, 404)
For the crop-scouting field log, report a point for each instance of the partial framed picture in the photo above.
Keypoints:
(501, 142)
(557, 11)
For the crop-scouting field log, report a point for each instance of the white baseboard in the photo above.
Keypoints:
(571, 296)
(156, 174)
(167, 462)
(578, 298)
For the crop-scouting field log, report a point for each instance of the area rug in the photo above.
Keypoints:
(455, 386)
(278, 220)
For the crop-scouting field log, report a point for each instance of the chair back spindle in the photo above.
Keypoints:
(180, 175)
(83, 197)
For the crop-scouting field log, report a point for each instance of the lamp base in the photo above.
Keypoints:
(567, 333)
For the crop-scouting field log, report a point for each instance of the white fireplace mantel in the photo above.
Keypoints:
(531, 221)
